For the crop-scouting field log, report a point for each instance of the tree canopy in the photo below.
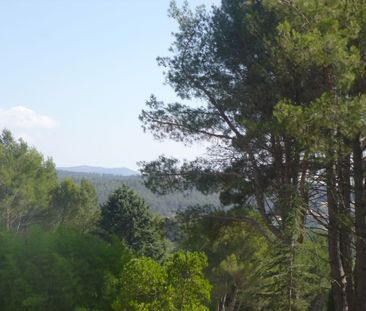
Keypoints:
(177, 285)
(27, 180)
(277, 89)
(30, 193)
(62, 270)
(127, 216)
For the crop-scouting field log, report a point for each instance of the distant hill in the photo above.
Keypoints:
(120, 171)
(166, 205)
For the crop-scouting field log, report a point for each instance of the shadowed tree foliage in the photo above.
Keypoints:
(127, 216)
(58, 271)
(277, 88)
(250, 270)
(229, 73)
(227, 61)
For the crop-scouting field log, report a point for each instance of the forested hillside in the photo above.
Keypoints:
(62, 250)
(277, 91)
(165, 205)
(86, 169)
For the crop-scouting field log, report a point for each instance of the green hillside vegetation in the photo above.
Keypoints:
(166, 205)
(62, 251)
(72, 253)
(279, 92)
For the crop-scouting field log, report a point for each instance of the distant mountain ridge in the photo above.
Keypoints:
(119, 171)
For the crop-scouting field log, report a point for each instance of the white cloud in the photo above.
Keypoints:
(21, 118)
(33, 127)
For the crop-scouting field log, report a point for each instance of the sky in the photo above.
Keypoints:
(75, 74)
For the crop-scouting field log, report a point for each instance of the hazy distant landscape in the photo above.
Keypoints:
(166, 205)
(120, 171)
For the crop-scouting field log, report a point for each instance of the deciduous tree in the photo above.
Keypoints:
(27, 180)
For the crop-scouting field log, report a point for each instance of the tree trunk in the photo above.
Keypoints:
(360, 228)
(234, 300)
(221, 303)
(339, 282)
(344, 173)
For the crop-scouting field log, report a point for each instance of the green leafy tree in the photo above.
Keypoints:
(177, 285)
(62, 270)
(190, 289)
(127, 216)
(235, 250)
(143, 286)
(74, 205)
(30, 193)
(250, 270)
(26, 182)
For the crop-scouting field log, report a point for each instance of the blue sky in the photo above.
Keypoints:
(75, 74)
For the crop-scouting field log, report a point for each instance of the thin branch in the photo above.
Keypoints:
(173, 124)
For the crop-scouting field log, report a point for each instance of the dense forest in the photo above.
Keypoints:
(166, 205)
(276, 89)
(62, 250)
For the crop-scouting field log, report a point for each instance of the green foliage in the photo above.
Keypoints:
(234, 249)
(278, 85)
(63, 270)
(127, 216)
(165, 205)
(278, 90)
(31, 195)
(191, 291)
(295, 276)
(26, 182)
(327, 35)
(75, 205)
(251, 269)
(323, 34)
(142, 286)
(230, 60)
(177, 285)
(325, 123)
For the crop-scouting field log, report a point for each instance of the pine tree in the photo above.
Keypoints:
(127, 216)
